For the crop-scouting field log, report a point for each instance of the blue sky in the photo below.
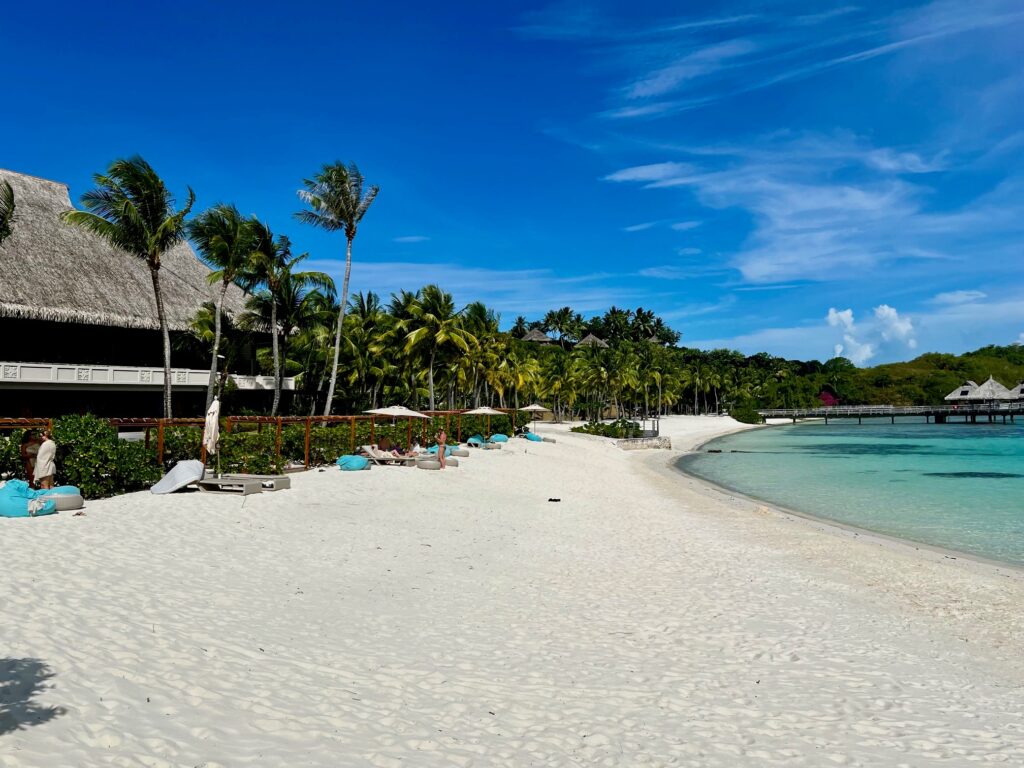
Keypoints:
(793, 177)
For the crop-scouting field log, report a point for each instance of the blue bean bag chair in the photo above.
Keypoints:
(16, 495)
(352, 463)
(448, 450)
(476, 440)
(499, 438)
(534, 437)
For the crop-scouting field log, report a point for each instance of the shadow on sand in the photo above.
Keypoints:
(21, 680)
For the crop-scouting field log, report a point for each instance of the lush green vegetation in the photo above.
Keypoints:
(620, 428)
(422, 350)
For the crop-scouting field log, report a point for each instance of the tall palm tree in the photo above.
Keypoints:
(225, 239)
(436, 326)
(133, 210)
(271, 264)
(6, 210)
(337, 201)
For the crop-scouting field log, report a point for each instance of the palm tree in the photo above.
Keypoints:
(6, 210)
(225, 240)
(436, 326)
(132, 209)
(271, 264)
(338, 202)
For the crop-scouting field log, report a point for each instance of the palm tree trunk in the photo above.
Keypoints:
(277, 355)
(154, 273)
(337, 332)
(430, 379)
(216, 346)
(694, 399)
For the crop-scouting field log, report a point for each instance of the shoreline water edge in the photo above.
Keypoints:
(714, 489)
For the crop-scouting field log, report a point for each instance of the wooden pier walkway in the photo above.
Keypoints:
(939, 414)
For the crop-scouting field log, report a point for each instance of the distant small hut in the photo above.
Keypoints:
(538, 337)
(590, 340)
(961, 393)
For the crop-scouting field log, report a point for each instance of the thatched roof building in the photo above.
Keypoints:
(988, 392)
(56, 272)
(538, 337)
(961, 392)
(1018, 392)
(590, 340)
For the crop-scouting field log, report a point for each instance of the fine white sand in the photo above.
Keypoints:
(401, 617)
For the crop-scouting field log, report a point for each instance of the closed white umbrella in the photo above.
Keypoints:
(211, 429)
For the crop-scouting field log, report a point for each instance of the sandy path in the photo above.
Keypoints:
(407, 618)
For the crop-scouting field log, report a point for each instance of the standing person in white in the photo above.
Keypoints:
(46, 466)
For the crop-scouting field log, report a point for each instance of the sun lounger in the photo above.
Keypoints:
(267, 482)
(384, 458)
(230, 485)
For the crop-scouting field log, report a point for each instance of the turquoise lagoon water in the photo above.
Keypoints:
(958, 486)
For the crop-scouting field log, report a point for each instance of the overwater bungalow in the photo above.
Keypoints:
(991, 391)
(78, 318)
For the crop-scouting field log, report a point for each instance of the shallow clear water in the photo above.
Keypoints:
(959, 486)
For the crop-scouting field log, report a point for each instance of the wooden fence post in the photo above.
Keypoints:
(352, 428)
(309, 424)
(408, 438)
(459, 434)
(160, 441)
(373, 431)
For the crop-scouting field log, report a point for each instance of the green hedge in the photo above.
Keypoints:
(10, 454)
(622, 428)
(91, 456)
(746, 413)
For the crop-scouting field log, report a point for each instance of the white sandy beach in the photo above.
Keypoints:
(401, 617)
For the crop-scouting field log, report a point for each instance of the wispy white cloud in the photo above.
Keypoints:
(411, 239)
(651, 172)
(511, 291)
(958, 297)
(684, 226)
(640, 227)
(688, 67)
(825, 207)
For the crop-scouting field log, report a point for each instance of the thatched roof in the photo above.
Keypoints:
(987, 392)
(1018, 392)
(538, 336)
(53, 271)
(961, 392)
(590, 340)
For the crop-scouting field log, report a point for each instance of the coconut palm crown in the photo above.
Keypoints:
(133, 210)
(338, 200)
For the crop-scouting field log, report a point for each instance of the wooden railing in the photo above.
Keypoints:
(277, 423)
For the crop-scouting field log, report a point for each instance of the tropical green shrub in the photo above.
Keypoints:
(746, 413)
(181, 443)
(253, 452)
(619, 429)
(10, 454)
(91, 456)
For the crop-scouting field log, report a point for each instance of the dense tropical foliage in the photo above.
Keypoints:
(421, 349)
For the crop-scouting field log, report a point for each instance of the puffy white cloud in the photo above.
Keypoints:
(858, 353)
(895, 327)
(840, 319)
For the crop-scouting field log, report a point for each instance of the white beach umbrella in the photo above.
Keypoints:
(211, 429)
(484, 410)
(535, 409)
(396, 411)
